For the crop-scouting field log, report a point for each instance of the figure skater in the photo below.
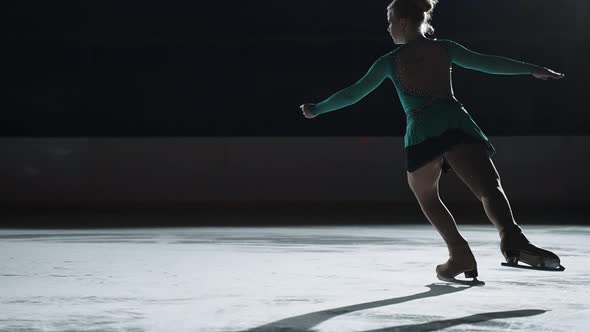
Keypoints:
(441, 134)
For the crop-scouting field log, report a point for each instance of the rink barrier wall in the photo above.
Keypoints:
(269, 170)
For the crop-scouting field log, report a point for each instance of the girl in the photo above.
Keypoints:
(441, 134)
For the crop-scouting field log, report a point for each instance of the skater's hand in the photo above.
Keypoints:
(546, 73)
(306, 109)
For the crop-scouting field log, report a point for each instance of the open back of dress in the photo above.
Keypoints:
(423, 68)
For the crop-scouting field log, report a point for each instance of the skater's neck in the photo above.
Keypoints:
(414, 36)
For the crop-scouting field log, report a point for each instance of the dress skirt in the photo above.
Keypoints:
(436, 129)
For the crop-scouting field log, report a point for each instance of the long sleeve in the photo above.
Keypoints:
(490, 64)
(352, 94)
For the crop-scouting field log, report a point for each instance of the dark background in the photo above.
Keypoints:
(242, 68)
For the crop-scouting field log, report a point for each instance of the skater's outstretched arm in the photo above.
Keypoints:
(493, 64)
(352, 94)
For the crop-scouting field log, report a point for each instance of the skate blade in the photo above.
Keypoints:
(537, 261)
(473, 282)
(540, 268)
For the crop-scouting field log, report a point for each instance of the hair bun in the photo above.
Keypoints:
(425, 5)
(419, 11)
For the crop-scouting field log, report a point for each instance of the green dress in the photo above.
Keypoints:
(421, 73)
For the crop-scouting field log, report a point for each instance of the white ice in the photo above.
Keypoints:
(327, 279)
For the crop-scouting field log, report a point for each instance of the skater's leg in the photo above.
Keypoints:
(474, 167)
(424, 184)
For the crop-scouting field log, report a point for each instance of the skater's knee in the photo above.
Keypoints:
(489, 190)
(427, 197)
(423, 190)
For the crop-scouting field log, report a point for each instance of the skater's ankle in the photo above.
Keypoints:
(458, 244)
(512, 230)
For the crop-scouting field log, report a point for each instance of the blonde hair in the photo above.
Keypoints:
(419, 11)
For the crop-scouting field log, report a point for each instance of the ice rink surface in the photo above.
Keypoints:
(328, 279)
